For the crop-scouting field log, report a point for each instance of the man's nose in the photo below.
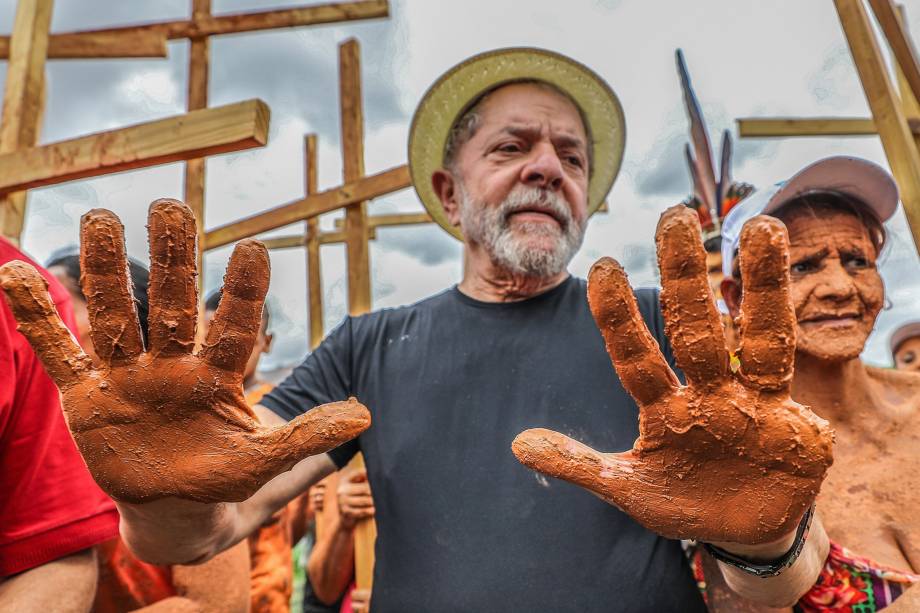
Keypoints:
(836, 283)
(543, 169)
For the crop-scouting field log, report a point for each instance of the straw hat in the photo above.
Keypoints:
(461, 86)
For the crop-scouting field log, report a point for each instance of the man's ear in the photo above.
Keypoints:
(731, 294)
(445, 186)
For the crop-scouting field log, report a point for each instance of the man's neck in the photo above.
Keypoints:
(484, 281)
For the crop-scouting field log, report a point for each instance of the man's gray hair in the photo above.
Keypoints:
(465, 127)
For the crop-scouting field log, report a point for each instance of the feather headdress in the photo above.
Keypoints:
(713, 197)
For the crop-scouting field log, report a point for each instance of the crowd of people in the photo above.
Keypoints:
(743, 460)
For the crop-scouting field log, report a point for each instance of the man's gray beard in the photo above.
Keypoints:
(490, 227)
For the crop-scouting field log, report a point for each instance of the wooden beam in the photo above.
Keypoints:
(369, 187)
(311, 242)
(140, 44)
(897, 140)
(233, 127)
(332, 238)
(22, 99)
(115, 42)
(909, 102)
(392, 219)
(399, 219)
(899, 41)
(352, 120)
(284, 242)
(357, 249)
(197, 98)
(290, 241)
(800, 126)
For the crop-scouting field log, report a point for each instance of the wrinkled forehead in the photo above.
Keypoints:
(532, 101)
(809, 226)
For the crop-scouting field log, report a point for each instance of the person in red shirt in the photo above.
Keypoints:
(52, 513)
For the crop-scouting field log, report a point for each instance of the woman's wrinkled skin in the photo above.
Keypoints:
(165, 421)
(836, 288)
(729, 457)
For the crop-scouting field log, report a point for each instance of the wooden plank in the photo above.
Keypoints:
(309, 15)
(23, 98)
(899, 41)
(140, 44)
(909, 102)
(357, 249)
(284, 242)
(115, 42)
(233, 127)
(897, 140)
(197, 98)
(399, 219)
(311, 242)
(365, 537)
(332, 238)
(371, 186)
(800, 126)
(392, 219)
(352, 120)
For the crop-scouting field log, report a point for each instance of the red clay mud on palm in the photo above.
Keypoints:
(167, 422)
(729, 457)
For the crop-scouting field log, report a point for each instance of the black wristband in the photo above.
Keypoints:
(770, 569)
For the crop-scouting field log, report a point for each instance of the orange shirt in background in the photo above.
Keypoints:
(126, 583)
(272, 574)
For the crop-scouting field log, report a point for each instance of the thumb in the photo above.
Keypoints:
(358, 476)
(318, 430)
(557, 455)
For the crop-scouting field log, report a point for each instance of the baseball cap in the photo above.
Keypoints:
(865, 181)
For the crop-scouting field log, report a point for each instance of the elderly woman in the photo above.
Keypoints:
(834, 211)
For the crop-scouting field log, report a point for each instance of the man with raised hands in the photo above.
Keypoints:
(511, 151)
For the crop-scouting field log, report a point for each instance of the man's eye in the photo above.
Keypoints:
(574, 160)
(509, 148)
(909, 357)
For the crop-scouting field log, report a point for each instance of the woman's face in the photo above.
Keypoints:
(836, 288)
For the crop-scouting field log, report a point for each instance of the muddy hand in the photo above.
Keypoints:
(166, 421)
(729, 457)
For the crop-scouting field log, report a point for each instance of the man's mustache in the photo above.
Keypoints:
(528, 198)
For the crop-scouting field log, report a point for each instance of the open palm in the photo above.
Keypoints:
(166, 421)
(729, 457)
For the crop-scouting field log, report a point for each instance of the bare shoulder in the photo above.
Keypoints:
(902, 390)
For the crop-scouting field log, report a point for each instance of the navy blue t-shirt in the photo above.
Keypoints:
(461, 525)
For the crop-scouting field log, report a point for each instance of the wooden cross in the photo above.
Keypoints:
(355, 232)
(313, 238)
(149, 40)
(895, 118)
(23, 164)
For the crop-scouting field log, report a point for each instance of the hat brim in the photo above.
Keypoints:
(861, 179)
(451, 95)
(905, 332)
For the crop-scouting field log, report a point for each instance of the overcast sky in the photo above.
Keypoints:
(746, 58)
